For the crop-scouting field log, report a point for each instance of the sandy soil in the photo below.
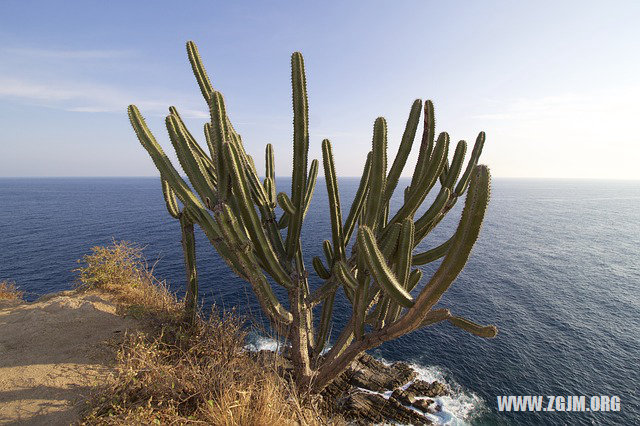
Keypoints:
(53, 353)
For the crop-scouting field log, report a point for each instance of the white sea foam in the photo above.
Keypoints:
(258, 343)
(458, 408)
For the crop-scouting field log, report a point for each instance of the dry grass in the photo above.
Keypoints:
(176, 375)
(121, 270)
(9, 291)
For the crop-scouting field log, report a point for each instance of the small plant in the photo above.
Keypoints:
(237, 212)
(121, 269)
(9, 291)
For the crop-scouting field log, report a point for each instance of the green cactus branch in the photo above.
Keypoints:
(380, 275)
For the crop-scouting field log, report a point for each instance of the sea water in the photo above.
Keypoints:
(556, 268)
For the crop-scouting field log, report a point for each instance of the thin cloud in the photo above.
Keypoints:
(66, 53)
(89, 98)
(567, 105)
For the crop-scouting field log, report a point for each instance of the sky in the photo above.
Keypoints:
(555, 85)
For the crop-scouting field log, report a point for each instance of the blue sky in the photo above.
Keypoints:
(554, 84)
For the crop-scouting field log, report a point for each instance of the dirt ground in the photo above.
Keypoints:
(53, 353)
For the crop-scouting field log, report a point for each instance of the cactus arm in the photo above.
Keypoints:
(414, 278)
(191, 165)
(345, 276)
(311, 185)
(378, 173)
(192, 204)
(435, 316)
(300, 150)
(198, 70)
(318, 266)
(390, 241)
(249, 216)
(283, 222)
(445, 171)
(200, 154)
(452, 174)
(426, 145)
(473, 161)
(334, 200)
(403, 150)
(360, 307)
(457, 255)
(270, 169)
(380, 271)
(270, 189)
(487, 331)
(192, 141)
(219, 136)
(170, 200)
(424, 185)
(403, 253)
(208, 135)
(328, 252)
(356, 206)
(270, 175)
(433, 254)
(189, 248)
(423, 224)
(267, 213)
(160, 159)
(325, 323)
(285, 203)
(402, 265)
(241, 247)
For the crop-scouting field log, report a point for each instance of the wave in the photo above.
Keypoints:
(458, 408)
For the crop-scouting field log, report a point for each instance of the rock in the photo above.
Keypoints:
(405, 397)
(431, 390)
(360, 406)
(369, 373)
(339, 387)
(424, 405)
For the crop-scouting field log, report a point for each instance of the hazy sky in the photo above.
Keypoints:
(554, 84)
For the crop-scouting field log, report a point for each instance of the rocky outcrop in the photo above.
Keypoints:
(370, 391)
(366, 407)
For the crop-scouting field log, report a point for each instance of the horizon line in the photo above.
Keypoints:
(320, 176)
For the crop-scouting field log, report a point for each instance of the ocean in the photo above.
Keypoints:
(556, 269)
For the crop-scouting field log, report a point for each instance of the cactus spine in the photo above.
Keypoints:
(237, 212)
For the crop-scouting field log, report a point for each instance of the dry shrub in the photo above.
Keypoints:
(122, 270)
(9, 291)
(203, 377)
(172, 374)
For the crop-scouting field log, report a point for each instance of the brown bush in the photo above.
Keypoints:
(9, 291)
(172, 374)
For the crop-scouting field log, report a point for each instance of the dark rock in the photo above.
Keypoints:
(368, 407)
(431, 390)
(339, 387)
(369, 373)
(424, 405)
(405, 397)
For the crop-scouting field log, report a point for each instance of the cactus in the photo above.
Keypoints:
(188, 249)
(237, 212)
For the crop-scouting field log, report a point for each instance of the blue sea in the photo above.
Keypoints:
(556, 269)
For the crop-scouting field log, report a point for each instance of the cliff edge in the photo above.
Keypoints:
(54, 352)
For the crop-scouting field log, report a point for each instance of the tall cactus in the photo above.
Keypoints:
(188, 249)
(237, 212)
